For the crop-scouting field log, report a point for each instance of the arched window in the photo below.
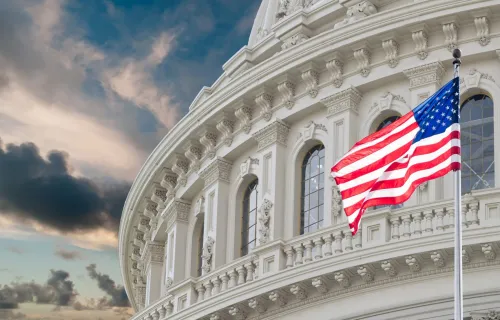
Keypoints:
(199, 261)
(249, 221)
(387, 121)
(313, 177)
(477, 147)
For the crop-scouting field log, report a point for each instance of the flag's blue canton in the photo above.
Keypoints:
(438, 112)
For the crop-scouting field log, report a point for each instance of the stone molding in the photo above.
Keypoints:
(347, 99)
(177, 210)
(426, 74)
(219, 169)
(276, 132)
(154, 252)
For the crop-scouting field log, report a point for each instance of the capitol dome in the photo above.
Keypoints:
(235, 215)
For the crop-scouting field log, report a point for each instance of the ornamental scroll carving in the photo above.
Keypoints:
(264, 219)
(336, 201)
(206, 257)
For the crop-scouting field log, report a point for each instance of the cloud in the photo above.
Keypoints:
(118, 295)
(68, 254)
(15, 250)
(58, 290)
(44, 190)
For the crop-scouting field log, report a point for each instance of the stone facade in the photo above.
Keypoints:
(315, 72)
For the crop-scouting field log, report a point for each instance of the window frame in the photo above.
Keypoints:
(245, 218)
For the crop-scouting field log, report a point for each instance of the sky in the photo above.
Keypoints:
(87, 90)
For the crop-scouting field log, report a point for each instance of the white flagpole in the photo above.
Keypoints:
(459, 308)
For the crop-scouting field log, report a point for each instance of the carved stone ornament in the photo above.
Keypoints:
(226, 126)
(265, 101)
(336, 201)
(450, 31)
(209, 141)
(237, 312)
(413, 263)
(298, 291)
(206, 257)
(389, 268)
(335, 66)
(347, 99)
(366, 274)
(276, 132)
(472, 79)
(431, 73)
(169, 282)
(219, 169)
(178, 210)
(391, 48)
(159, 195)
(483, 30)
(199, 208)
(287, 91)
(244, 114)
(264, 219)
(310, 76)
(293, 40)
(245, 166)
(257, 304)
(155, 252)
(193, 153)
(421, 41)
(279, 297)
(363, 57)
(169, 182)
(342, 278)
(356, 12)
(490, 315)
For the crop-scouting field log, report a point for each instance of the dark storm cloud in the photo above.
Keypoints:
(68, 254)
(58, 290)
(118, 295)
(44, 190)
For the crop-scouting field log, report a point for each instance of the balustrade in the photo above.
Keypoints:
(403, 224)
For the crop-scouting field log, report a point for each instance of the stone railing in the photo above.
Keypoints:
(235, 274)
(409, 231)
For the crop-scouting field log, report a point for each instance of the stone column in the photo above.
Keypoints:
(176, 217)
(272, 141)
(343, 128)
(425, 80)
(216, 193)
(154, 262)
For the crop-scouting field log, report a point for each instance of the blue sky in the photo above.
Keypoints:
(87, 90)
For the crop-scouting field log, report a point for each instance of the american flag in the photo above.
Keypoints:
(387, 166)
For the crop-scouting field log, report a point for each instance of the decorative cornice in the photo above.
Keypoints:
(159, 195)
(169, 182)
(219, 169)
(344, 100)
(426, 74)
(180, 167)
(276, 132)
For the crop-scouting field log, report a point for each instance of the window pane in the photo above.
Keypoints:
(249, 217)
(312, 188)
(477, 143)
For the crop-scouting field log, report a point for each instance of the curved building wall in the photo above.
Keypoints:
(235, 216)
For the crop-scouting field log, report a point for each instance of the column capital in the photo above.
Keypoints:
(276, 132)
(344, 100)
(153, 252)
(177, 210)
(426, 74)
(219, 169)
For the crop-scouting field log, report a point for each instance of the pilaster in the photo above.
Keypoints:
(342, 128)
(272, 142)
(216, 194)
(153, 257)
(175, 218)
(425, 80)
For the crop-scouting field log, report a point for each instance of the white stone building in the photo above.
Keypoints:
(235, 216)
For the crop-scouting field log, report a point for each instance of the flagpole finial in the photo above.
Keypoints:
(457, 54)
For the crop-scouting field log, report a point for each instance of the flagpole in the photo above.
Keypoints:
(457, 54)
